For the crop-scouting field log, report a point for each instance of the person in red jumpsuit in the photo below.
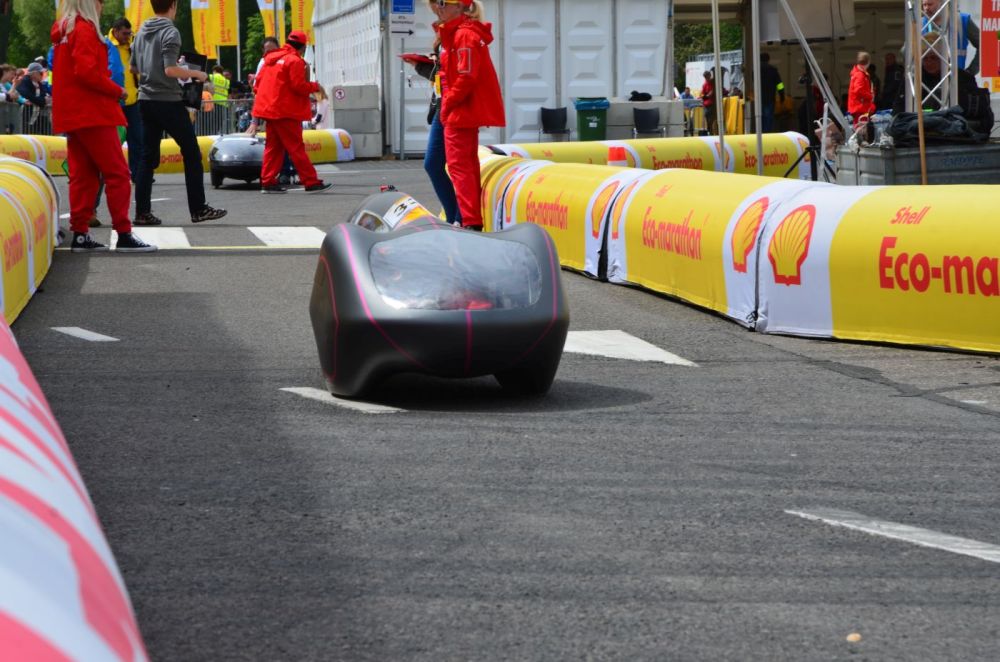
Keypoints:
(283, 89)
(470, 98)
(85, 106)
(861, 93)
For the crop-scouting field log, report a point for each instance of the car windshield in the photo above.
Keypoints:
(451, 270)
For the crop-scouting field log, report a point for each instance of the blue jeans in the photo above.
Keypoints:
(766, 119)
(434, 163)
(133, 136)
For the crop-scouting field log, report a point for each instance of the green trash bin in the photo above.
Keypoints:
(591, 117)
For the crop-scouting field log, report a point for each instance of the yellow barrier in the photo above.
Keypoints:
(29, 214)
(906, 264)
(49, 152)
(781, 150)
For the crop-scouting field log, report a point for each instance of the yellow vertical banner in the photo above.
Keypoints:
(279, 20)
(267, 15)
(224, 22)
(302, 17)
(137, 11)
(201, 29)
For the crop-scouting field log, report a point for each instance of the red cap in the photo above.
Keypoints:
(298, 37)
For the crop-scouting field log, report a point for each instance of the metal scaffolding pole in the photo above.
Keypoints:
(936, 37)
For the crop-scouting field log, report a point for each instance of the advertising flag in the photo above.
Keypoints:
(267, 15)
(201, 28)
(302, 17)
(279, 20)
(137, 11)
(225, 22)
(989, 34)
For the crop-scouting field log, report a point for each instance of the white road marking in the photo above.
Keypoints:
(357, 405)
(77, 332)
(63, 215)
(161, 237)
(620, 345)
(159, 199)
(289, 236)
(975, 402)
(904, 532)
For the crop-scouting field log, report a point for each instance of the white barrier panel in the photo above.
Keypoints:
(61, 595)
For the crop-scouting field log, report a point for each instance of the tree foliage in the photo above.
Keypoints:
(692, 39)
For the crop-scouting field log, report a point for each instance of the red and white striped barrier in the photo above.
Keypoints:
(61, 595)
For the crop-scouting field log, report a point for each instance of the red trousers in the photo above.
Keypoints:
(461, 152)
(92, 152)
(286, 136)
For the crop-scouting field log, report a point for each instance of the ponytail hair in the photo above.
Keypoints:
(475, 10)
(77, 9)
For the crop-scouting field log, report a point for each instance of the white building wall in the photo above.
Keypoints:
(547, 52)
(348, 42)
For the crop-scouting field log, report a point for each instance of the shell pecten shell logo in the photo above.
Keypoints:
(789, 246)
(345, 139)
(745, 233)
(600, 207)
(618, 209)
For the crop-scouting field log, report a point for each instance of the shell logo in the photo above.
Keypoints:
(345, 139)
(508, 199)
(804, 146)
(745, 233)
(790, 245)
(601, 207)
(616, 211)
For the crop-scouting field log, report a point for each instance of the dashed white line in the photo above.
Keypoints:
(620, 345)
(975, 402)
(84, 334)
(903, 532)
(289, 237)
(356, 405)
(168, 238)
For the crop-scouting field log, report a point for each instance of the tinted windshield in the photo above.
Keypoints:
(449, 270)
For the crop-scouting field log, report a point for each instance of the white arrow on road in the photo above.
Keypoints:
(620, 345)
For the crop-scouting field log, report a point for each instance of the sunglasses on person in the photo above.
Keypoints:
(442, 3)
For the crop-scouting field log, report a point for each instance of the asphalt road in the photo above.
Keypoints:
(636, 512)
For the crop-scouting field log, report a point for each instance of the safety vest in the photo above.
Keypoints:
(220, 85)
(963, 36)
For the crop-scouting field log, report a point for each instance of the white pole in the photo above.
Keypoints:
(719, 118)
(668, 75)
(755, 54)
(402, 101)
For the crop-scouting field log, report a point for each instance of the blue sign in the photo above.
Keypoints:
(402, 7)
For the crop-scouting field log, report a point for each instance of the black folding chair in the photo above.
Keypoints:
(647, 120)
(553, 121)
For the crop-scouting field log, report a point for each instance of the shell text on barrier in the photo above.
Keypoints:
(677, 238)
(547, 214)
(957, 274)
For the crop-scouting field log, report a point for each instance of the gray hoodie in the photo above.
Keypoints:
(156, 47)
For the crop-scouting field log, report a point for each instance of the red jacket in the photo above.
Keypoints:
(283, 88)
(470, 90)
(860, 96)
(83, 94)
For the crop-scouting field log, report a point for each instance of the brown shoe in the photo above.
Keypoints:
(94, 222)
